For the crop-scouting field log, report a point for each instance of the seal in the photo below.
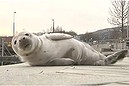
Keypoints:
(59, 49)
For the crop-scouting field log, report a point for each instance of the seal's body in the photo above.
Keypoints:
(59, 49)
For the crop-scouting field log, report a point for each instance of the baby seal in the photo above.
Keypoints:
(59, 49)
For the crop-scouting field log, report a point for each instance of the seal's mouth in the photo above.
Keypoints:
(24, 43)
(27, 45)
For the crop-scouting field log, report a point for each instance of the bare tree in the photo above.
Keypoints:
(118, 13)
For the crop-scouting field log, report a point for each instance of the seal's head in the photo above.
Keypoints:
(23, 43)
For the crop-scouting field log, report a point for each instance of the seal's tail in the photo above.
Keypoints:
(111, 59)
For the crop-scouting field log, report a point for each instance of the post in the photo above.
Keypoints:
(2, 47)
(127, 26)
(128, 22)
(122, 21)
(53, 25)
(14, 23)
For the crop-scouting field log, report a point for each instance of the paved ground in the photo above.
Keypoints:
(22, 74)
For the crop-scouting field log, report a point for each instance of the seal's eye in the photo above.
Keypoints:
(27, 34)
(15, 42)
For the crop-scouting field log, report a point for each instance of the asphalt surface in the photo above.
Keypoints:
(23, 74)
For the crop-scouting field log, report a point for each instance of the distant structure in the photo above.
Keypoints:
(14, 23)
(53, 26)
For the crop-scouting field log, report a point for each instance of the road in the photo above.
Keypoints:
(23, 74)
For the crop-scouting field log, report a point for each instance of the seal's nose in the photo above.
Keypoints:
(22, 39)
(24, 43)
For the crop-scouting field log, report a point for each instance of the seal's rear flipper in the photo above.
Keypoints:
(111, 59)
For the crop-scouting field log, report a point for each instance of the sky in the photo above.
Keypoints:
(80, 16)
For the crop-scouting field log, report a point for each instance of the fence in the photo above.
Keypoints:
(5, 60)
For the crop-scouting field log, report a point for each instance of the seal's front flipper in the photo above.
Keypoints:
(61, 62)
(58, 36)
